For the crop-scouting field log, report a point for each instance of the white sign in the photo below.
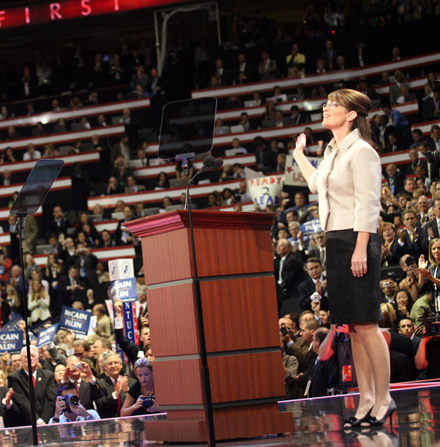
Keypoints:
(266, 190)
(292, 174)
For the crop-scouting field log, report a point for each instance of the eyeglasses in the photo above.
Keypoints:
(331, 105)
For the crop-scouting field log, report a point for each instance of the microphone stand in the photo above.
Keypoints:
(20, 219)
(207, 398)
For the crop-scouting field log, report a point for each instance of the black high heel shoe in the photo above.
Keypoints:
(371, 421)
(353, 421)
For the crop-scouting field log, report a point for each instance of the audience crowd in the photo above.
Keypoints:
(316, 355)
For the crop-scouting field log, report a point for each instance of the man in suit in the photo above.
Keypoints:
(415, 161)
(432, 228)
(319, 252)
(324, 374)
(308, 329)
(122, 235)
(80, 374)
(243, 71)
(414, 234)
(72, 288)
(113, 387)
(394, 178)
(59, 224)
(289, 272)
(314, 287)
(44, 389)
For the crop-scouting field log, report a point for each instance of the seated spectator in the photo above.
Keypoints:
(267, 70)
(113, 387)
(279, 116)
(139, 77)
(59, 224)
(140, 398)
(133, 186)
(69, 411)
(31, 153)
(245, 122)
(431, 106)
(180, 172)
(238, 148)
(107, 240)
(296, 58)
(270, 112)
(394, 143)
(7, 156)
(60, 126)
(227, 173)
(162, 180)
(50, 151)
(340, 63)
(296, 115)
(44, 389)
(263, 156)
(404, 304)
(113, 187)
(212, 200)
(122, 235)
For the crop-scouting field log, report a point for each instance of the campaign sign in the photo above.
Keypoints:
(76, 320)
(311, 227)
(11, 341)
(292, 174)
(130, 321)
(45, 336)
(123, 289)
(266, 190)
(12, 325)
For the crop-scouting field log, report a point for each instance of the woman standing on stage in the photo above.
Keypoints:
(348, 182)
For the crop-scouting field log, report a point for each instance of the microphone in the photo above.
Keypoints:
(208, 162)
(218, 163)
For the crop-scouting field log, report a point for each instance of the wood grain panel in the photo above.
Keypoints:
(232, 251)
(240, 313)
(247, 376)
(178, 382)
(167, 257)
(173, 320)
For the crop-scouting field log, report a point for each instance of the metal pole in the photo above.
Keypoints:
(156, 32)
(28, 343)
(200, 326)
(217, 13)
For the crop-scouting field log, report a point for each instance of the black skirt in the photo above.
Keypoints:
(352, 300)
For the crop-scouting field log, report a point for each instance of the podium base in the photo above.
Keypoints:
(227, 426)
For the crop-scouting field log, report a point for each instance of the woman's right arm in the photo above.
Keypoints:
(307, 169)
(130, 405)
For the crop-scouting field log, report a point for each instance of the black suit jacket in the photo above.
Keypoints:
(67, 297)
(292, 275)
(305, 289)
(324, 375)
(45, 394)
(425, 237)
(107, 406)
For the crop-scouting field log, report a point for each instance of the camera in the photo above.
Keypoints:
(70, 400)
(432, 156)
(77, 366)
(148, 401)
(432, 326)
(283, 330)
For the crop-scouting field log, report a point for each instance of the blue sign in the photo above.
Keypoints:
(45, 336)
(123, 289)
(12, 325)
(11, 341)
(129, 325)
(76, 320)
(311, 227)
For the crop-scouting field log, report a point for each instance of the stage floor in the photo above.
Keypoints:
(318, 423)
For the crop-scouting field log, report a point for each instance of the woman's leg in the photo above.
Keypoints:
(378, 355)
(364, 376)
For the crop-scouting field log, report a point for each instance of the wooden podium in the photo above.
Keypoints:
(235, 267)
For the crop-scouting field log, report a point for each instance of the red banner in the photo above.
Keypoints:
(72, 9)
